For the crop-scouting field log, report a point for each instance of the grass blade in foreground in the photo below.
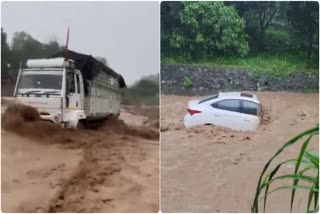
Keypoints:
(310, 157)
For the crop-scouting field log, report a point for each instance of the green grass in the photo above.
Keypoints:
(272, 65)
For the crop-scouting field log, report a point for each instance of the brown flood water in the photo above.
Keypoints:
(212, 169)
(114, 168)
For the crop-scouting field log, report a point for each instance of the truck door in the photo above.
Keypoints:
(72, 98)
(77, 96)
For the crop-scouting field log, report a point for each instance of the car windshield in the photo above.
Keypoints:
(208, 98)
(43, 81)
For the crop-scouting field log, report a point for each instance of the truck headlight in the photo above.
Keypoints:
(57, 118)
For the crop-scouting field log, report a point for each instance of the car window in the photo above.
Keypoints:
(230, 105)
(208, 98)
(249, 108)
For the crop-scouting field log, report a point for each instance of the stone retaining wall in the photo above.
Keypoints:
(206, 81)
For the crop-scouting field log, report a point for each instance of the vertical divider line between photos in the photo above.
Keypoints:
(160, 143)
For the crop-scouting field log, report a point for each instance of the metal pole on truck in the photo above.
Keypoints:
(64, 90)
(66, 48)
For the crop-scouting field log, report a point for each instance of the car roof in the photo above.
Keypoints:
(238, 95)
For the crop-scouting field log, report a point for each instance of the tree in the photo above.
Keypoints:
(25, 47)
(144, 91)
(145, 87)
(304, 17)
(266, 12)
(5, 53)
(52, 47)
(205, 29)
(170, 23)
(259, 16)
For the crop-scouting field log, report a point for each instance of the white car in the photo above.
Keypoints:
(234, 110)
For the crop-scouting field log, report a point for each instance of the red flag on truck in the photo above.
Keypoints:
(66, 48)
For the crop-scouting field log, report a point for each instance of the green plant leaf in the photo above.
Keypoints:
(187, 81)
(300, 177)
(295, 181)
(291, 187)
(309, 132)
(316, 195)
(292, 176)
(269, 178)
(310, 196)
(312, 157)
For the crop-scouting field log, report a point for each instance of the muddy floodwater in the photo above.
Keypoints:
(114, 168)
(212, 169)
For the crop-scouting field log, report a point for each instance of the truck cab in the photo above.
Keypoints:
(55, 88)
(69, 92)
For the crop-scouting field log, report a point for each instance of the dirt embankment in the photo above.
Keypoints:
(213, 169)
(114, 168)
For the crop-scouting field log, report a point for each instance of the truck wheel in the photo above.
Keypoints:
(82, 124)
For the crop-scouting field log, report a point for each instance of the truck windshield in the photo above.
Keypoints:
(41, 81)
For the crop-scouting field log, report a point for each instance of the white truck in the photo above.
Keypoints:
(71, 92)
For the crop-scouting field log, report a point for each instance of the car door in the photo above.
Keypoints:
(207, 115)
(227, 113)
(250, 115)
(213, 114)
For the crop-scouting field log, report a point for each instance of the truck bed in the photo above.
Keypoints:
(103, 98)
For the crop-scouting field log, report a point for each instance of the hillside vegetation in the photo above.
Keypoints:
(276, 38)
(143, 92)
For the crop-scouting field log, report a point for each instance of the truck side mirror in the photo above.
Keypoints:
(87, 86)
(67, 101)
(67, 87)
